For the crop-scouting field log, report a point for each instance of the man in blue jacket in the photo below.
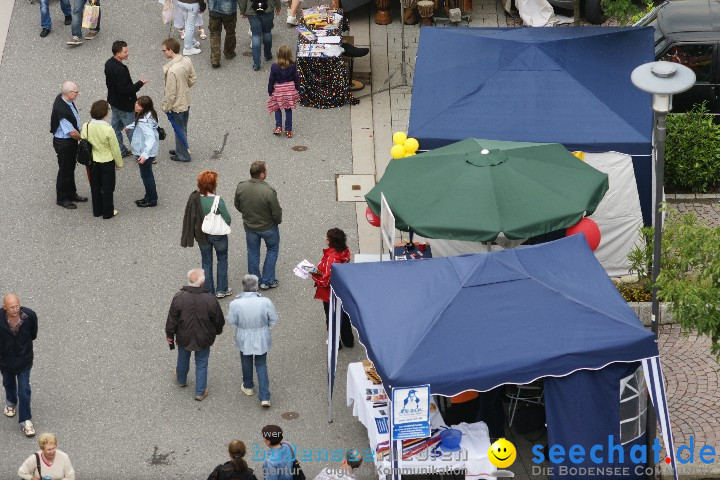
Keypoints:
(223, 13)
(18, 329)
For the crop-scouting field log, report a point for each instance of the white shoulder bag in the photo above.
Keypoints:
(213, 224)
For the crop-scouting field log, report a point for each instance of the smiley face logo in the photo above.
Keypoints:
(502, 453)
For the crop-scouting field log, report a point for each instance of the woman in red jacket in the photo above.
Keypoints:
(337, 252)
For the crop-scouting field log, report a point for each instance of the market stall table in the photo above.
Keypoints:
(472, 456)
(323, 79)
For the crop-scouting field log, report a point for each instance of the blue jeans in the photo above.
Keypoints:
(220, 244)
(77, 14)
(261, 367)
(181, 120)
(288, 119)
(201, 368)
(18, 385)
(192, 10)
(272, 243)
(121, 119)
(146, 174)
(261, 26)
(45, 20)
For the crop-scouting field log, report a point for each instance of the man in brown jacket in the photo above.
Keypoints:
(179, 78)
(194, 320)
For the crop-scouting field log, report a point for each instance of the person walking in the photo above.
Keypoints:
(48, 463)
(144, 144)
(65, 127)
(207, 188)
(350, 462)
(76, 23)
(194, 320)
(283, 89)
(179, 78)
(179, 17)
(46, 20)
(18, 330)
(261, 214)
(122, 92)
(279, 457)
(254, 316)
(261, 24)
(336, 252)
(106, 159)
(237, 468)
(223, 14)
(190, 10)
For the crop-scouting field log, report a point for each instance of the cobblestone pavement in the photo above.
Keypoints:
(707, 210)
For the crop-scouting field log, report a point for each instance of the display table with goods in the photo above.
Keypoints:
(323, 73)
(438, 454)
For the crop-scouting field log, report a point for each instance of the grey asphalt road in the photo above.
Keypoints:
(102, 378)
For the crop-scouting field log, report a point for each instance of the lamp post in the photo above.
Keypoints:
(662, 80)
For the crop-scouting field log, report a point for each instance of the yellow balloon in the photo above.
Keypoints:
(397, 151)
(410, 154)
(399, 138)
(411, 145)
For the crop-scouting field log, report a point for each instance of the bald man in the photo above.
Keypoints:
(18, 329)
(194, 320)
(65, 127)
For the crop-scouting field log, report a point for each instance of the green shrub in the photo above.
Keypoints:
(692, 152)
(640, 256)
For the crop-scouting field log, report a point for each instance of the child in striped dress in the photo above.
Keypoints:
(283, 89)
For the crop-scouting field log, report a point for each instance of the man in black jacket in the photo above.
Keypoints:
(18, 329)
(122, 92)
(194, 320)
(65, 126)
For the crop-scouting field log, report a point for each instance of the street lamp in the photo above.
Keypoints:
(662, 80)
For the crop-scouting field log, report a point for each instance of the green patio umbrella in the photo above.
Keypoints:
(476, 189)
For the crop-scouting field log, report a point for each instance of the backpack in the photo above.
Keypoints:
(84, 151)
(259, 6)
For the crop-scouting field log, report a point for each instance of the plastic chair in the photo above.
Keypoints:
(532, 393)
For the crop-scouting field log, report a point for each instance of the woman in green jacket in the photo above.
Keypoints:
(106, 158)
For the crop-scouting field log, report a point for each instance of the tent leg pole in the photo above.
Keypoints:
(402, 45)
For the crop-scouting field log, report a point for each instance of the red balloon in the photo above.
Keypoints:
(589, 228)
(372, 219)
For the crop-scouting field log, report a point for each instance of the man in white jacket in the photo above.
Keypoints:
(254, 316)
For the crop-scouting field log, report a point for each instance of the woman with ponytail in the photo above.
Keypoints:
(237, 468)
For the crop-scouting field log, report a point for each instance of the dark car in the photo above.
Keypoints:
(592, 9)
(688, 32)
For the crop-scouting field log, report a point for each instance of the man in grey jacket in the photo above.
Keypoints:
(194, 320)
(261, 213)
(254, 316)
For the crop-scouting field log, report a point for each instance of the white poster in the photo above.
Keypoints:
(411, 412)
(387, 225)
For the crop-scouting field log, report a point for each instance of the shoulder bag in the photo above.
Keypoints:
(37, 461)
(84, 151)
(297, 473)
(213, 223)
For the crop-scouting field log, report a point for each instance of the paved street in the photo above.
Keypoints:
(103, 372)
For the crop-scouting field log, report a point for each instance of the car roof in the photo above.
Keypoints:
(682, 16)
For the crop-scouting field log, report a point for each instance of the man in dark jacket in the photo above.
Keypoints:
(65, 127)
(122, 92)
(18, 329)
(261, 214)
(194, 320)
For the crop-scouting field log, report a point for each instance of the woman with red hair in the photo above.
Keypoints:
(198, 206)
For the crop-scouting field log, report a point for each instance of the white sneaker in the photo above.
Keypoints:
(29, 430)
(10, 411)
(192, 51)
(247, 391)
(292, 20)
(265, 403)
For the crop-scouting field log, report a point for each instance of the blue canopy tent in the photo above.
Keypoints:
(557, 85)
(476, 322)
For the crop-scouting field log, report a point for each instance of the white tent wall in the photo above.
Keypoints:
(618, 216)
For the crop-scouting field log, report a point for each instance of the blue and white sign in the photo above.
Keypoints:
(411, 412)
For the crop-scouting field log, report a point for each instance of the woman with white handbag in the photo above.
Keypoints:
(215, 224)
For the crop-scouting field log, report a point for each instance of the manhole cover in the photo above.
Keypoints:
(299, 148)
(247, 54)
(290, 415)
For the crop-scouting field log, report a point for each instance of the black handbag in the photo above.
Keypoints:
(161, 133)
(84, 151)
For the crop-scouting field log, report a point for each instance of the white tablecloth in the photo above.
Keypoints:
(474, 445)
